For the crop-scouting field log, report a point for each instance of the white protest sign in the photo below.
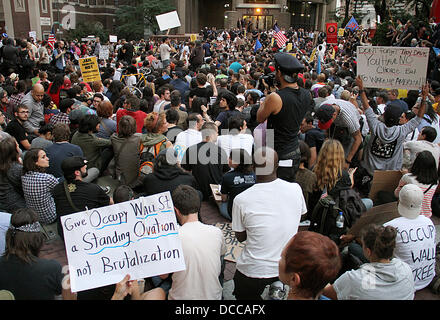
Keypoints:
(168, 20)
(138, 237)
(113, 38)
(33, 34)
(392, 67)
(104, 52)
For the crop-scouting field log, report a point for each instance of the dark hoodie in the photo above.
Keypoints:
(167, 178)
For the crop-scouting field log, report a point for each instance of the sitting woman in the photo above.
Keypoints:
(308, 263)
(126, 146)
(383, 278)
(22, 272)
(241, 177)
(11, 170)
(423, 173)
(154, 141)
(38, 185)
(330, 175)
(107, 124)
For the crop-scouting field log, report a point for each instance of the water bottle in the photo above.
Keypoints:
(277, 291)
(340, 220)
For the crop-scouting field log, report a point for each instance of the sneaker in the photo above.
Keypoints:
(106, 189)
(304, 223)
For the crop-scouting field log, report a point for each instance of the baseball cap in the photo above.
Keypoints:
(325, 116)
(71, 164)
(410, 201)
(392, 113)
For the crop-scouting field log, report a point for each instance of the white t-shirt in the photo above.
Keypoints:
(270, 214)
(164, 51)
(185, 53)
(131, 81)
(202, 246)
(415, 245)
(417, 146)
(239, 141)
(186, 139)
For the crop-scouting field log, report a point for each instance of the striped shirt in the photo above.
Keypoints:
(428, 192)
(348, 117)
(37, 189)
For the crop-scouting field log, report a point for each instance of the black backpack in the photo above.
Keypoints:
(324, 216)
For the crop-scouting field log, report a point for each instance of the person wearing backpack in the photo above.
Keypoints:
(335, 184)
(153, 141)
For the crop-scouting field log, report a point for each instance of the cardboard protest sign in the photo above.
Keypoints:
(193, 37)
(233, 246)
(138, 237)
(168, 20)
(384, 180)
(392, 67)
(89, 69)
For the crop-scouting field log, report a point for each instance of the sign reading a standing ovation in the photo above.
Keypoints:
(138, 237)
(392, 67)
(89, 69)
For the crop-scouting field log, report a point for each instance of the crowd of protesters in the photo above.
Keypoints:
(274, 133)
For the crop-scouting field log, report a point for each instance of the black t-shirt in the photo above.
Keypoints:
(315, 138)
(201, 92)
(88, 195)
(211, 162)
(38, 280)
(234, 183)
(16, 129)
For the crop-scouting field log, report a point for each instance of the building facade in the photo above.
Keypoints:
(311, 14)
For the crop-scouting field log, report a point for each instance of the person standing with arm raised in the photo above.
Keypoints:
(284, 111)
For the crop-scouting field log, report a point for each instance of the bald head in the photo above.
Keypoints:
(38, 92)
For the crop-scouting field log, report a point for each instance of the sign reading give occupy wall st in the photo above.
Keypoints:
(138, 237)
(392, 67)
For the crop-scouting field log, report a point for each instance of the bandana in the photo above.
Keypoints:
(34, 227)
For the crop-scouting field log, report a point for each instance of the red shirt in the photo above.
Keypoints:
(139, 116)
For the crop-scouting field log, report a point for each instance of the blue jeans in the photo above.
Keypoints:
(223, 208)
(368, 203)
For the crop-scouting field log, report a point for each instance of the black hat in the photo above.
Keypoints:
(392, 113)
(288, 65)
(325, 116)
(71, 164)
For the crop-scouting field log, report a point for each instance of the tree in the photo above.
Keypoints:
(84, 29)
(134, 19)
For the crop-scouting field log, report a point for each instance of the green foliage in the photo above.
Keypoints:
(133, 20)
(84, 29)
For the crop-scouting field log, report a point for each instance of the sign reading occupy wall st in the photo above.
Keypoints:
(138, 237)
(392, 67)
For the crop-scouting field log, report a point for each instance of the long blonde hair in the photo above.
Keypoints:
(328, 168)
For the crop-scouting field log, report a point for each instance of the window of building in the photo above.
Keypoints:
(44, 6)
(92, 2)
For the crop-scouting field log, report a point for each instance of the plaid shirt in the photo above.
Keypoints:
(37, 188)
(15, 99)
(60, 117)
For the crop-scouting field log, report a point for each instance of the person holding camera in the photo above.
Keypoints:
(284, 111)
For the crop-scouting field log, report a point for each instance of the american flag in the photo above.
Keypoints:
(51, 40)
(281, 38)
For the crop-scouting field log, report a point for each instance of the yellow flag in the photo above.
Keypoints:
(312, 56)
(273, 40)
(193, 37)
(289, 47)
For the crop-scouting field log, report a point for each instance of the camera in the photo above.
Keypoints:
(269, 79)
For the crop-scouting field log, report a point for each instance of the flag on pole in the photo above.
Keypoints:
(258, 45)
(281, 38)
(51, 41)
(352, 24)
(318, 67)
